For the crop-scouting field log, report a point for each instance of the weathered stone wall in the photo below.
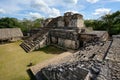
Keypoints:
(80, 23)
(46, 22)
(94, 35)
(87, 37)
(63, 33)
(65, 43)
(42, 41)
(54, 40)
(69, 44)
(72, 23)
(60, 22)
(65, 38)
(68, 20)
(74, 20)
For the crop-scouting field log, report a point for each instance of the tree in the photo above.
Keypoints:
(37, 22)
(109, 22)
(9, 22)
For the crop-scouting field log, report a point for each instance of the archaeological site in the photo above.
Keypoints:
(90, 55)
(10, 34)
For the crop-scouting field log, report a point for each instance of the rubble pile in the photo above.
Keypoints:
(93, 51)
(94, 61)
(79, 70)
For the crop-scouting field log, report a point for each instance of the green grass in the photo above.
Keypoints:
(14, 60)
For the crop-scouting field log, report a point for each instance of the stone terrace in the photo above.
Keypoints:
(102, 58)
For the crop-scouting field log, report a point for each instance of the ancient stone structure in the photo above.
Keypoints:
(95, 61)
(10, 34)
(68, 32)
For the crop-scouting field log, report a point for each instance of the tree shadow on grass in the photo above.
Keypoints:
(51, 50)
(32, 77)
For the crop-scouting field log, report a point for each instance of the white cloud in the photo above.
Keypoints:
(35, 15)
(61, 2)
(74, 11)
(2, 11)
(54, 12)
(92, 1)
(52, 8)
(12, 6)
(71, 1)
(102, 11)
(45, 8)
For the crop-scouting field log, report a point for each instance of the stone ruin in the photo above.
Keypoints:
(96, 57)
(67, 32)
(95, 61)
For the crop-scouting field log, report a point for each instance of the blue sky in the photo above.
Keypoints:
(90, 9)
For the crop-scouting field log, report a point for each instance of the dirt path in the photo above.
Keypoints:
(63, 57)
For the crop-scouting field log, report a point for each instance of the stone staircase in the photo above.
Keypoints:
(33, 42)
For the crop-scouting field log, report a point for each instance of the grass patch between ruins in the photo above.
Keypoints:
(51, 50)
(14, 60)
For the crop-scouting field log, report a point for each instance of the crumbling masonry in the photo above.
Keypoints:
(66, 31)
(96, 57)
(96, 61)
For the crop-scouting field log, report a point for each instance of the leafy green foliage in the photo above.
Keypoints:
(24, 24)
(109, 22)
(9, 22)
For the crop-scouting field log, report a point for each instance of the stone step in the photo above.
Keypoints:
(25, 47)
(31, 43)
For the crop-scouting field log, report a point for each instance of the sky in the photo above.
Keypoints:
(32, 9)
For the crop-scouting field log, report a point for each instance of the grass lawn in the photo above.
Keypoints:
(14, 60)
